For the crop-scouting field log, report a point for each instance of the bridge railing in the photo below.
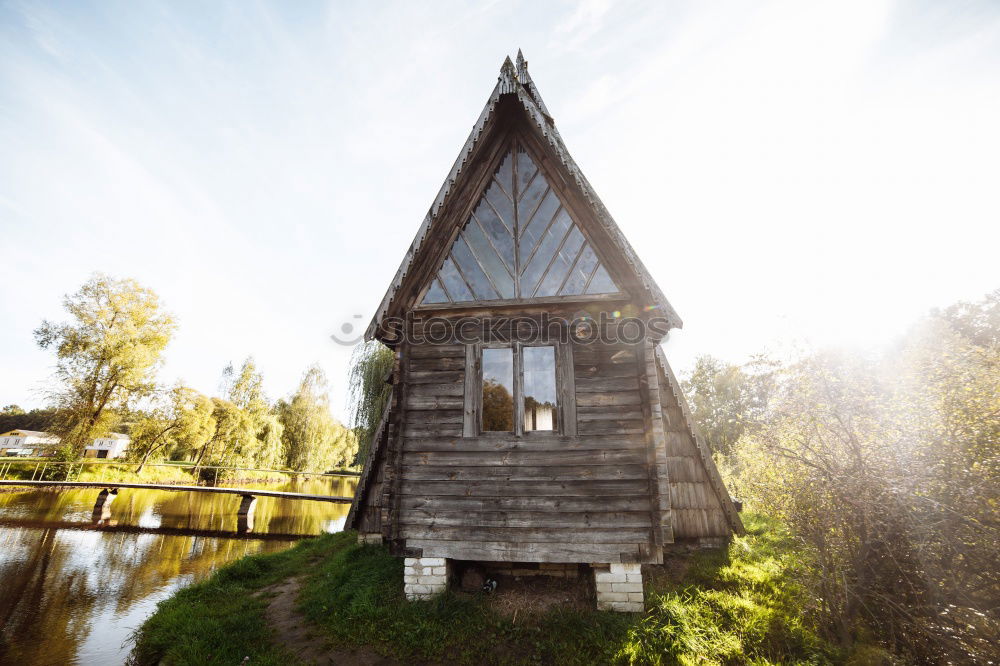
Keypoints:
(39, 467)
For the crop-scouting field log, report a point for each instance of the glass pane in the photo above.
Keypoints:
(529, 200)
(472, 271)
(561, 264)
(581, 273)
(505, 175)
(544, 254)
(498, 390)
(540, 406)
(532, 228)
(602, 283)
(454, 283)
(525, 170)
(501, 204)
(502, 237)
(435, 294)
(489, 259)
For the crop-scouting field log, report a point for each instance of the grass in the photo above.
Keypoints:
(737, 606)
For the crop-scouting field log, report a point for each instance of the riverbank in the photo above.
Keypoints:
(330, 598)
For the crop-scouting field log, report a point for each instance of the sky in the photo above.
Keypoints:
(792, 173)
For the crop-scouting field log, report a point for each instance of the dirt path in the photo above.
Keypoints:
(304, 641)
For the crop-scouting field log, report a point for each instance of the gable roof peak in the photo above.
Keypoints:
(522, 64)
(515, 80)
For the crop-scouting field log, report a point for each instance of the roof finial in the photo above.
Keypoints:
(522, 65)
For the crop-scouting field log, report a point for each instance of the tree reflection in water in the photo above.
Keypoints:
(74, 595)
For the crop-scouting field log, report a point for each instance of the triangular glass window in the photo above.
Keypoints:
(519, 243)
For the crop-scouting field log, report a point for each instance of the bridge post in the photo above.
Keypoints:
(102, 509)
(244, 516)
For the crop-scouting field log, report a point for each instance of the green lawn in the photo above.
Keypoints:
(737, 606)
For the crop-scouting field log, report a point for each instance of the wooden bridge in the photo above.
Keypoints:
(109, 491)
(243, 492)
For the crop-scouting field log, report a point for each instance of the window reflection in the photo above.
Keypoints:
(498, 390)
(539, 388)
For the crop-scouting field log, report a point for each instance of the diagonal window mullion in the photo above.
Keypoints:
(534, 210)
(493, 247)
(479, 260)
(555, 255)
(497, 213)
(527, 186)
(597, 267)
(503, 189)
(461, 274)
(444, 288)
(572, 267)
(524, 264)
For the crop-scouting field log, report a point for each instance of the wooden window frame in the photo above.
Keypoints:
(565, 390)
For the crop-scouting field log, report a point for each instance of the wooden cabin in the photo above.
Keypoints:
(534, 421)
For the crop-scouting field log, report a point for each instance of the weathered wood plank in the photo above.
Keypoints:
(559, 535)
(614, 398)
(472, 393)
(433, 417)
(437, 390)
(432, 430)
(577, 519)
(526, 473)
(631, 427)
(524, 457)
(586, 370)
(532, 442)
(593, 503)
(525, 488)
(626, 412)
(436, 364)
(485, 551)
(416, 402)
(435, 376)
(437, 351)
(606, 384)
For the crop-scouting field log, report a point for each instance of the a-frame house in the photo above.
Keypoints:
(533, 417)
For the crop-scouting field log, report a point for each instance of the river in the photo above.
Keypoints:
(74, 585)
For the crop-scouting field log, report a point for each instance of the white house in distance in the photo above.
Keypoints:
(112, 446)
(28, 443)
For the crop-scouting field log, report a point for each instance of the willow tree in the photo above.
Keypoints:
(246, 392)
(182, 417)
(106, 355)
(313, 439)
(371, 365)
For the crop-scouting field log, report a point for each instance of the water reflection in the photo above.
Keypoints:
(76, 578)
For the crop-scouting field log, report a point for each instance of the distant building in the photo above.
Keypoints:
(112, 446)
(28, 443)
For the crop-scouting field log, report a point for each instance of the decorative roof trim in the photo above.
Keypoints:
(516, 81)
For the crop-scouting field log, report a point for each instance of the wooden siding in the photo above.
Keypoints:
(543, 497)
(696, 511)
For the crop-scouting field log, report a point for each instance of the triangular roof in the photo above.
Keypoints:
(515, 83)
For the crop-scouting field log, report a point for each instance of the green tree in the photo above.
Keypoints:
(313, 439)
(369, 390)
(727, 399)
(887, 469)
(264, 447)
(231, 429)
(183, 418)
(106, 356)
